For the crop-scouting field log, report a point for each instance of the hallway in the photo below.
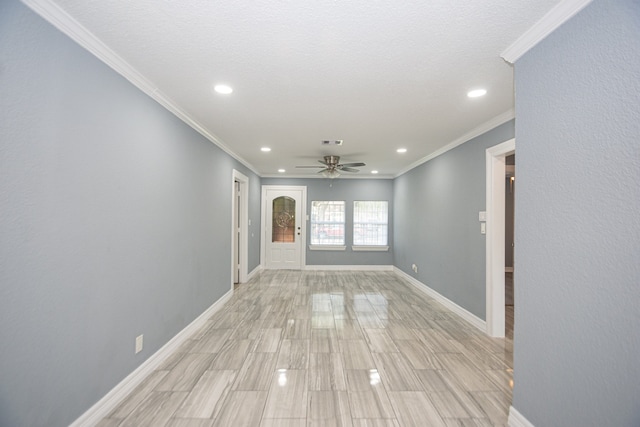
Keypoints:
(320, 348)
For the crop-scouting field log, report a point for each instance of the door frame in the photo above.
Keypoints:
(243, 240)
(303, 222)
(495, 206)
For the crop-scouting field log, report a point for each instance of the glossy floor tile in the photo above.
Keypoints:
(321, 348)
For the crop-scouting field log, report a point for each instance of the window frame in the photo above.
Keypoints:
(315, 244)
(370, 247)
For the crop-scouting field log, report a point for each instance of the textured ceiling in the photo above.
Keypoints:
(378, 74)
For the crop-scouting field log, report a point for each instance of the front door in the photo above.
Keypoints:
(284, 226)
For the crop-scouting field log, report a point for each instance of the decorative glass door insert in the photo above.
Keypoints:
(284, 220)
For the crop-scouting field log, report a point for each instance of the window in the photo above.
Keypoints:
(327, 223)
(370, 223)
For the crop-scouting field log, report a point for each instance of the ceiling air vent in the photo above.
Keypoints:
(332, 142)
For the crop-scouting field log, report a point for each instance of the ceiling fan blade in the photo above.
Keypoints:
(349, 169)
(352, 164)
(323, 162)
(315, 167)
(323, 170)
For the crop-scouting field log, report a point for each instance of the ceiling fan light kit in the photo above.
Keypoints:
(330, 174)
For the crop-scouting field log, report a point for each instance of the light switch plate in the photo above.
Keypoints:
(483, 228)
(139, 343)
(482, 216)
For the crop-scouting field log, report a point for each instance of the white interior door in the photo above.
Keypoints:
(236, 232)
(239, 227)
(284, 226)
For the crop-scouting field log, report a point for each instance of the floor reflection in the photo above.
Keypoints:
(328, 348)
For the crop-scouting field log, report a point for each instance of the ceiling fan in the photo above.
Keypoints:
(332, 166)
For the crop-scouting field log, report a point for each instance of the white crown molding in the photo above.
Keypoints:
(318, 176)
(516, 419)
(472, 319)
(557, 16)
(483, 128)
(113, 398)
(64, 22)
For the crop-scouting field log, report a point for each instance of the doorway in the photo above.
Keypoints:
(284, 226)
(495, 237)
(509, 245)
(239, 227)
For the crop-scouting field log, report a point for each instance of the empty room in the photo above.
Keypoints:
(327, 213)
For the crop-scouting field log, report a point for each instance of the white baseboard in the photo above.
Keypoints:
(349, 267)
(254, 272)
(112, 399)
(464, 314)
(516, 419)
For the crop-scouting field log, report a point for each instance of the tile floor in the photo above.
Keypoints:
(319, 348)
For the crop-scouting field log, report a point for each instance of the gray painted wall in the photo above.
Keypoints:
(348, 190)
(436, 221)
(114, 221)
(255, 209)
(577, 275)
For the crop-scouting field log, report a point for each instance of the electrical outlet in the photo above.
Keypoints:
(139, 339)
(414, 268)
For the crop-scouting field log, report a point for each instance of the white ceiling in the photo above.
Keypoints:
(378, 74)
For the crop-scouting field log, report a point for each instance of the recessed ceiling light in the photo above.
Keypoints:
(374, 172)
(476, 93)
(265, 149)
(401, 150)
(281, 170)
(223, 89)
